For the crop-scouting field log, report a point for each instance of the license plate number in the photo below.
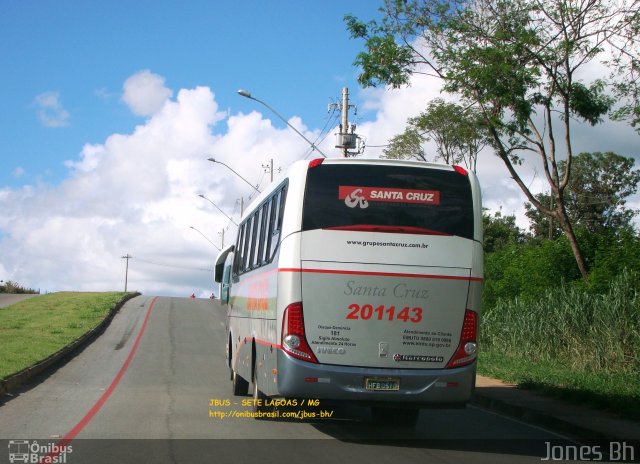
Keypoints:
(378, 384)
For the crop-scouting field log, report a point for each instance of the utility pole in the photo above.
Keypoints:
(269, 168)
(344, 127)
(126, 272)
(347, 137)
(222, 234)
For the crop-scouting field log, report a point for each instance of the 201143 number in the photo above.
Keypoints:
(383, 313)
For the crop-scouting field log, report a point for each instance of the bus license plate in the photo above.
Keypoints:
(378, 384)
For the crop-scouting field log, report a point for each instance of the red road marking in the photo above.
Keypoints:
(105, 396)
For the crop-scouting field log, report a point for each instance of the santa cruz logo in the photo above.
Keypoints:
(356, 198)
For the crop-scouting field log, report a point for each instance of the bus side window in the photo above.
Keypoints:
(237, 261)
(275, 221)
(253, 262)
(270, 226)
(263, 226)
(283, 194)
(245, 248)
(273, 225)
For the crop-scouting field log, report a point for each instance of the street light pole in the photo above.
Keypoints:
(213, 160)
(247, 94)
(205, 237)
(225, 214)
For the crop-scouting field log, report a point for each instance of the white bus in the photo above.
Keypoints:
(358, 280)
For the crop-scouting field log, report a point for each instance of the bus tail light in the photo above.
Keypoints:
(315, 162)
(467, 348)
(460, 170)
(294, 340)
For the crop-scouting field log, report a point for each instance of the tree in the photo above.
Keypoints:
(457, 131)
(517, 63)
(407, 145)
(596, 195)
(500, 231)
(540, 225)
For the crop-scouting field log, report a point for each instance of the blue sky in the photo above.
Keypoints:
(110, 109)
(296, 55)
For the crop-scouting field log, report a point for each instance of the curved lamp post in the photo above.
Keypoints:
(213, 160)
(205, 237)
(225, 214)
(247, 94)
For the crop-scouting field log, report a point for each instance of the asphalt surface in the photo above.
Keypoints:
(155, 388)
(7, 299)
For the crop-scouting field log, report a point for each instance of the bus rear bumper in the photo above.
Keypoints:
(426, 388)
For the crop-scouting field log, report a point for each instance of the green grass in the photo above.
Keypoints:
(570, 343)
(616, 392)
(34, 329)
(586, 332)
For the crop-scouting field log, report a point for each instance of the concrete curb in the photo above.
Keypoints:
(542, 419)
(10, 384)
(576, 421)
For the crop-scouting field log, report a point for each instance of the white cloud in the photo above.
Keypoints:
(145, 93)
(137, 192)
(90, 157)
(133, 193)
(50, 111)
(392, 108)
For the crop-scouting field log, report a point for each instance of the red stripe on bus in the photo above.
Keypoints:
(258, 341)
(381, 274)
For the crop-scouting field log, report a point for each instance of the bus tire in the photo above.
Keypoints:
(240, 385)
(259, 398)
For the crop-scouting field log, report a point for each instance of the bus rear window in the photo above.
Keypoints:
(383, 198)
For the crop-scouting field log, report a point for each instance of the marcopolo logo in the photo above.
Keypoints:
(33, 452)
(417, 358)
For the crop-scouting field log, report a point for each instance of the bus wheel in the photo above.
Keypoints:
(259, 398)
(395, 416)
(240, 385)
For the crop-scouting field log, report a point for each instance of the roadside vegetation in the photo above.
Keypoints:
(14, 287)
(32, 330)
(561, 306)
(544, 327)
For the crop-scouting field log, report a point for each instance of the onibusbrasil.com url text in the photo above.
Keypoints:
(276, 414)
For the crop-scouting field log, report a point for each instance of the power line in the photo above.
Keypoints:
(171, 265)
(324, 133)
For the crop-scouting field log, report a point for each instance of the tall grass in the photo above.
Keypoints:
(586, 332)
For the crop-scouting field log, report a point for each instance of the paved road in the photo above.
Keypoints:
(152, 377)
(7, 299)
